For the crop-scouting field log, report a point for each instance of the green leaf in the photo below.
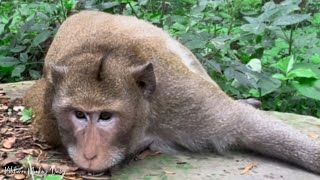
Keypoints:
(308, 87)
(301, 72)
(18, 70)
(285, 64)
(24, 57)
(7, 61)
(198, 8)
(280, 76)
(255, 65)
(254, 93)
(41, 37)
(108, 5)
(315, 59)
(26, 115)
(2, 28)
(254, 28)
(43, 16)
(252, 20)
(26, 26)
(290, 64)
(316, 19)
(18, 49)
(34, 74)
(196, 44)
(53, 177)
(267, 84)
(290, 19)
(178, 26)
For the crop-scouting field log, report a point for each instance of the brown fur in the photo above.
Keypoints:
(158, 93)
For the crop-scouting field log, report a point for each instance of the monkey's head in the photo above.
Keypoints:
(101, 107)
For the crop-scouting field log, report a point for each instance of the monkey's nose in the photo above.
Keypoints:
(89, 156)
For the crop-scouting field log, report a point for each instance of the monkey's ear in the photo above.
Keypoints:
(145, 78)
(56, 73)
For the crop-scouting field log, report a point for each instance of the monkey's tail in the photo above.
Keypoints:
(267, 135)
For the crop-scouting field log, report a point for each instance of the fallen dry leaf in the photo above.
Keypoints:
(6, 150)
(18, 108)
(3, 155)
(12, 119)
(4, 99)
(19, 176)
(32, 152)
(8, 143)
(181, 162)
(20, 154)
(169, 172)
(313, 135)
(42, 156)
(248, 168)
(94, 177)
(3, 108)
(4, 130)
(143, 155)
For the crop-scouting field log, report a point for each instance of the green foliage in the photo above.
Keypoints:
(26, 29)
(26, 115)
(51, 177)
(252, 48)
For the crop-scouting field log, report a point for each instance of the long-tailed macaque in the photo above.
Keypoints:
(114, 85)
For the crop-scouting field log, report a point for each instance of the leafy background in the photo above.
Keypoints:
(269, 50)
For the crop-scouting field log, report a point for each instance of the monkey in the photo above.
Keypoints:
(114, 85)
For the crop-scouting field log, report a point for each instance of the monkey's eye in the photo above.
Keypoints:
(105, 116)
(80, 115)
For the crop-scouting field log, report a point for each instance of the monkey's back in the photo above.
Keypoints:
(95, 33)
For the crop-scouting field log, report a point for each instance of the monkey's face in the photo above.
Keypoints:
(101, 120)
(96, 137)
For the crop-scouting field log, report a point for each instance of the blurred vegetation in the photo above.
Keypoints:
(269, 50)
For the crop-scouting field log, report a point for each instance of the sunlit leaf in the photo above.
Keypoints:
(18, 70)
(7, 61)
(41, 37)
(308, 87)
(280, 76)
(306, 73)
(290, 19)
(254, 28)
(26, 115)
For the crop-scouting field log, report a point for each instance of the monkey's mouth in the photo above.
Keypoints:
(95, 167)
(98, 165)
(99, 174)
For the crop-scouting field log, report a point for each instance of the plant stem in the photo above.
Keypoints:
(231, 12)
(290, 41)
(163, 9)
(134, 12)
(63, 10)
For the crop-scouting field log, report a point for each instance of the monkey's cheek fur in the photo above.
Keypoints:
(102, 161)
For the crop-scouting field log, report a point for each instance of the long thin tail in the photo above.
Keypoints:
(265, 134)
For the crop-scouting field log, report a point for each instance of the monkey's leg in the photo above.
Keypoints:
(265, 134)
(43, 125)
